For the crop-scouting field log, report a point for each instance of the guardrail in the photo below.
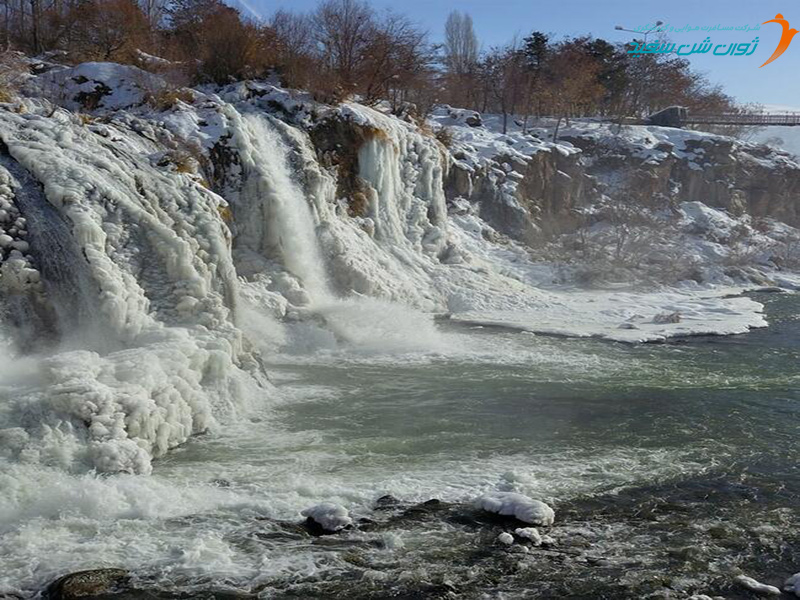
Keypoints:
(791, 119)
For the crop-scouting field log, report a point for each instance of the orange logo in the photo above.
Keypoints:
(786, 37)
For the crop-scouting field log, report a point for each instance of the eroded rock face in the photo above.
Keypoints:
(717, 171)
(534, 196)
(549, 184)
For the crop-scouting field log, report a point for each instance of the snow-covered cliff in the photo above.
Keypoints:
(150, 255)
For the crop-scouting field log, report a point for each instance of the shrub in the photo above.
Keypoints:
(167, 97)
(445, 137)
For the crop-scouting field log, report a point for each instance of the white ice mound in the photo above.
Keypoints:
(792, 585)
(505, 538)
(331, 517)
(519, 506)
(529, 533)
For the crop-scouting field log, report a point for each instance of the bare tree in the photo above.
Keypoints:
(343, 29)
(108, 29)
(460, 44)
(573, 87)
(296, 58)
(461, 60)
(396, 55)
(507, 79)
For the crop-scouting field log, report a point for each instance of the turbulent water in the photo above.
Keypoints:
(670, 467)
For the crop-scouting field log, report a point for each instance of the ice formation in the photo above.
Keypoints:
(518, 506)
(330, 517)
(151, 256)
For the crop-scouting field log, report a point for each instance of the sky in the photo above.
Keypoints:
(498, 21)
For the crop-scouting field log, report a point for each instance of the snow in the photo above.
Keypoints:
(505, 538)
(630, 317)
(115, 86)
(756, 587)
(331, 517)
(161, 349)
(180, 287)
(518, 506)
(529, 533)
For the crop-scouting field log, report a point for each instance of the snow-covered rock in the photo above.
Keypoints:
(529, 533)
(328, 516)
(505, 538)
(519, 506)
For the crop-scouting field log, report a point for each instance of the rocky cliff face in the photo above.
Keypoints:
(686, 167)
(529, 187)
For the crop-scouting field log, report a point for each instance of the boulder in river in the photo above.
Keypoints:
(327, 518)
(87, 584)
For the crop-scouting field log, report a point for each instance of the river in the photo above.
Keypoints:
(671, 467)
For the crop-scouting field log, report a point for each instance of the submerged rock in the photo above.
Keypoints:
(792, 585)
(385, 502)
(88, 584)
(664, 318)
(327, 518)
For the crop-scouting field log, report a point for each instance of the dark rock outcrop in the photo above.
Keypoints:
(96, 583)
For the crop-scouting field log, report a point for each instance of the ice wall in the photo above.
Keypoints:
(155, 356)
(141, 274)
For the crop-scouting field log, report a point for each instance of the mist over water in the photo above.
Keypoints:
(358, 323)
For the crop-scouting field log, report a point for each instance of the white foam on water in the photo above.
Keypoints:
(374, 326)
(179, 526)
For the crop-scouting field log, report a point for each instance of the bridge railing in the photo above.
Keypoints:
(792, 119)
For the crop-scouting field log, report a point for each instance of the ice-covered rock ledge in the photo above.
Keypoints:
(631, 317)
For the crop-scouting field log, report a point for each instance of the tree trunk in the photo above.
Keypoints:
(555, 133)
(35, 25)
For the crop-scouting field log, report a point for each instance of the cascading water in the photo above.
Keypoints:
(283, 223)
(278, 221)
